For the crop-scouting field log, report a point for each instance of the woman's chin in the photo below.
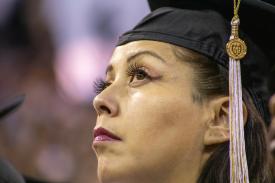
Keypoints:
(111, 172)
(117, 171)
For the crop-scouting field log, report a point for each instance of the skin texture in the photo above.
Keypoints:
(165, 134)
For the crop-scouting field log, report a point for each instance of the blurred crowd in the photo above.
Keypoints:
(52, 51)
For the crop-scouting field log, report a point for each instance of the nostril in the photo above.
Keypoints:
(105, 109)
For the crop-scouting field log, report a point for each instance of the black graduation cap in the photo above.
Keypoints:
(8, 174)
(257, 17)
(9, 105)
(29, 179)
(257, 21)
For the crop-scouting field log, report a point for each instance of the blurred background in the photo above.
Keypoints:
(52, 51)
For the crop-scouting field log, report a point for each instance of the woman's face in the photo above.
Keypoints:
(148, 105)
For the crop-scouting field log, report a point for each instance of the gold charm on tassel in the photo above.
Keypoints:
(236, 48)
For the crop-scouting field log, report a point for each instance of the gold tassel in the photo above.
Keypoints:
(236, 50)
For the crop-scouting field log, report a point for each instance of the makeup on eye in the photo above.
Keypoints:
(137, 73)
(100, 85)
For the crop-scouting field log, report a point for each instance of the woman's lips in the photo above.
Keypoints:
(101, 135)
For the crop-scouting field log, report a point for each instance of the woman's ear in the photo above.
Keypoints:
(217, 128)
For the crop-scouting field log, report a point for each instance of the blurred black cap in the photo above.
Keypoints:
(34, 180)
(9, 105)
(8, 174)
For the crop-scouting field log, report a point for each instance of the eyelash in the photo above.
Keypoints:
(100, 85)
(132, 71)
(135, 69)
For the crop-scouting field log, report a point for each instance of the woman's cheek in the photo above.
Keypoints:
(155, 117)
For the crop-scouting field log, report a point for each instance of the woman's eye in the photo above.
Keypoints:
(139, 75)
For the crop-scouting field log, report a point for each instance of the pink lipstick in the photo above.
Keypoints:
(101, 135)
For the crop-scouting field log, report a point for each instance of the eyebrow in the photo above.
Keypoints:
(134, 56)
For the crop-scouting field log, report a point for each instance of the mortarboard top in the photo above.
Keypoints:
(257, 20)
(208, 30)
(257, 17)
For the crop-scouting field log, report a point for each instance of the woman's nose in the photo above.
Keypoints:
(105, 105)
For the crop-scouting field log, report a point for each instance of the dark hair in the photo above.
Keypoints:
(211, 80)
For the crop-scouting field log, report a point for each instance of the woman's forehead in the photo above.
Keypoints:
(157, 49)
(154, 53)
